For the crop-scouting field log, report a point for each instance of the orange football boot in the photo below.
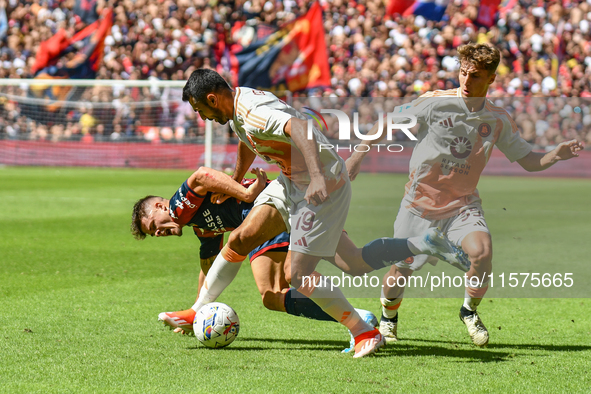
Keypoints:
(181, 319)
(368, 343)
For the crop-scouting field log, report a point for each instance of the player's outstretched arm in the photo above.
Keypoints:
(209, 180)
(316, 193)
(244, 159)
(538, 161)
(354, 162)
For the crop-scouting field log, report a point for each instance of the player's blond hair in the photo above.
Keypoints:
(483, 56)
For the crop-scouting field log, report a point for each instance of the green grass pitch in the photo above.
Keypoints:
(79, 298)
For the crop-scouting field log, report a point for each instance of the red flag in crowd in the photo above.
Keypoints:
(487, 12)
(429, 9)
(292, 58)
(398, 6)
(51, 50)
(83, 65)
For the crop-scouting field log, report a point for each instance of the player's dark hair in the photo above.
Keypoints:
(140, 211)
(481, 55)
(202, 82)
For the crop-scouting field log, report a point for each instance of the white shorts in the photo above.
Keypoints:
(277, 195)
(470, 219)
(314, 230)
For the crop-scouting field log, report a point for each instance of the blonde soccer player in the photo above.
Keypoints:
(457, 131)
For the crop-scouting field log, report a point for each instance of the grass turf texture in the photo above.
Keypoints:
(79, 299)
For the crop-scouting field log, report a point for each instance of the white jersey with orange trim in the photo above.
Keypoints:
(259, 121)
(452, 150)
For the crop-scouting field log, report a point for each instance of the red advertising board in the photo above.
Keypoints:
(191, 156)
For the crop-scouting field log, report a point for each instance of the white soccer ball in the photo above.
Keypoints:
(216, 325)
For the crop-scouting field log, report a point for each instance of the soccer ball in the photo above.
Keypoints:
(216, 325)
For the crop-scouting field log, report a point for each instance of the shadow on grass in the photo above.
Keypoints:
(465, 355)
(409, 347)
(294, 344)
(524, 346)
(393, 351)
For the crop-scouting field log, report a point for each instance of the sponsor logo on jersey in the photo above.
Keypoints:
(447, 123)
(216, 224)
(453, 166)
(484, 130)
(461, 147)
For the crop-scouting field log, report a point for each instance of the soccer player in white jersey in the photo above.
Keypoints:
(310, 200)
(194, 205)
(312, 193)
(457, 131)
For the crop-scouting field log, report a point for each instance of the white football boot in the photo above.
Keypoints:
(388, 328)
(435, 243)
(476, 329)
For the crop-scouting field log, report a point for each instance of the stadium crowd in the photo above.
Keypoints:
(546, 49)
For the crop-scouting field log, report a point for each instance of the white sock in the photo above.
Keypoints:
(220, 275)
(389, 305)
(471, 303)
(334, 303)
(473, 296)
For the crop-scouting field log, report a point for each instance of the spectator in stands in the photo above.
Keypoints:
(546, 48)
(87, 121)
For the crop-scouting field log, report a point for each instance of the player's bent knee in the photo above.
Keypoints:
(288, 276)
(478, 245)
(481, 256)
(297, 279)
(481, 265)
(240, 242)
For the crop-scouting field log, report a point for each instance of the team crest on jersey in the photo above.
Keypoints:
(484, 130)
(461, 147)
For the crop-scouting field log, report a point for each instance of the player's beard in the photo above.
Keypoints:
(222, 119)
